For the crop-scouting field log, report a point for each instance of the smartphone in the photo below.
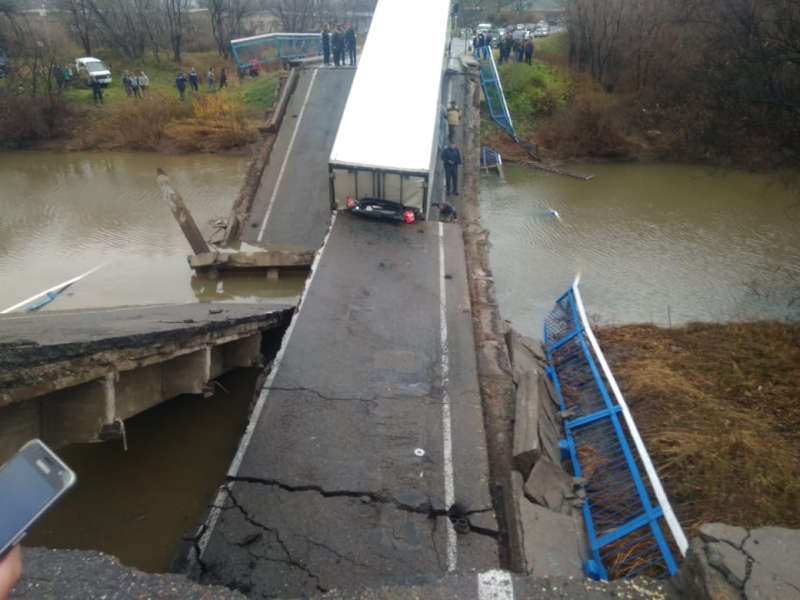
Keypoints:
(29, 484)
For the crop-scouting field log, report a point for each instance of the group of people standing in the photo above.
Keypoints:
(136, 84)
(522, 49)
(193, 81)
(341, 43)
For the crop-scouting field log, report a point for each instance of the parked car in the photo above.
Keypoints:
(4, 68)
(88, 67)
(541, 31)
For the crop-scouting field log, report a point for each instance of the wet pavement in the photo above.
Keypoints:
(370, 429)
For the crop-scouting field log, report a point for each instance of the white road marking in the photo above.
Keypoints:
(447, 434)
(233, 470)
(286, 158)
(495, 585)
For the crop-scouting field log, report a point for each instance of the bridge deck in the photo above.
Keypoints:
(332, 487)
(334, 490)
(292, 206)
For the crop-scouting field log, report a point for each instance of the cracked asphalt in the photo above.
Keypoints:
(333, 487)
(344, 477)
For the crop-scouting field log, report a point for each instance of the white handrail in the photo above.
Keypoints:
(669, 516)
(265, 36)
(52, 289)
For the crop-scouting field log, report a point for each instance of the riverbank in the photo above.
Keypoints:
(209, 120)
(568, 116)
(717, 405)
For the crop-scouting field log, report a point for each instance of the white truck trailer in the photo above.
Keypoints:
(387, 146)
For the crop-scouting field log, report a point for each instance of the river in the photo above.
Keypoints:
(653, 243)
(62, 214)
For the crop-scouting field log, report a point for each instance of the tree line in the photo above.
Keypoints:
(730, 67)
(135, 27)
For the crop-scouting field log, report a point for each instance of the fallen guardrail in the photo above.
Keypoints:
(625, 512)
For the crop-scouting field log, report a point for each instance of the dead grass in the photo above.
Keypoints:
(130, 125)
(719, 408)
(209, 123)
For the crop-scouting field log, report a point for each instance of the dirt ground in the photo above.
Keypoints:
(719, 408)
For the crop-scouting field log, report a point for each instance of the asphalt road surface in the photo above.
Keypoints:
(292, 205)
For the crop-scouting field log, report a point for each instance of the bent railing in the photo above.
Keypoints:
(623, 524)
(261, 49)
(493, 91)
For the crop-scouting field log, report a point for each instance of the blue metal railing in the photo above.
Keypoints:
(623, 524)
(261, 49)
(489, 157)
(493, 91)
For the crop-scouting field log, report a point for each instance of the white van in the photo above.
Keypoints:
(483, 27)
(89, 66)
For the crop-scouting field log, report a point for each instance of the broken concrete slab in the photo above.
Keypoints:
(526, 353)
(517, 501)
(550, 486)
(527, 449)
(553, 542)
(775, 552)
(265, 259)
(729, 561)
(697, 579)
(711, 532)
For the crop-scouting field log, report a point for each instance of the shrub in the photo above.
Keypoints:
(136, 125)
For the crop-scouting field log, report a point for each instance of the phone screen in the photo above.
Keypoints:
(24, 491)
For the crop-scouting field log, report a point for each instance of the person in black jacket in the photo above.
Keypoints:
(451, 158)
(326, 44)
(337, 41)
(350, 43)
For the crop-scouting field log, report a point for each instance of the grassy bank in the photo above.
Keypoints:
(210, 120)
(719, 408)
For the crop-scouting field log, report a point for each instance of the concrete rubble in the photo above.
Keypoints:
(548, 498)
(733, 563)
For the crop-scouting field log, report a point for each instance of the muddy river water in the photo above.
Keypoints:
(62, 214)
(653, 243)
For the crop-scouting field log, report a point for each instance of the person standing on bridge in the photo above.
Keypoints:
(453, 116)
(326, 44)
(451, 158)
(350, 43)
(337, 41)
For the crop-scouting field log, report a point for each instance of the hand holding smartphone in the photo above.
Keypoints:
(30, 483)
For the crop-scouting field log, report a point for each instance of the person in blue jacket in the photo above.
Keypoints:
(180, 83)
(451, 158)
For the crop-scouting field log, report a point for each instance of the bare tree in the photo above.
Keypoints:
(297, 15)
(81, 22)
(176, 22)
(226, 20)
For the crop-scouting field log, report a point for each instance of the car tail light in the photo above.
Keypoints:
(350, 203)
(408, 216)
